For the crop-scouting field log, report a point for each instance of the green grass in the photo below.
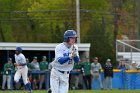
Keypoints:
(78, 91)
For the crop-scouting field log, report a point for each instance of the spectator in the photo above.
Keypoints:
(29, 69)
(50, 66)
(131, 78)
(133, 66)
(95, 71)
(28, 64)
(8, 67)
(86, 67)
(35, 76)
(108, 74)
(43, 67)
(75, 76)
(122, 67)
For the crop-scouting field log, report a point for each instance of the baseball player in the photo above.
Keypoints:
(22, 69)
(66, 54)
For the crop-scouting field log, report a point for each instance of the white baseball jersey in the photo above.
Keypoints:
(62, 50)
(95, 67)
(20, 59)
(35, 65)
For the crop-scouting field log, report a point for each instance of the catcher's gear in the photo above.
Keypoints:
(49, 91)
(68, 34)
(19, 49)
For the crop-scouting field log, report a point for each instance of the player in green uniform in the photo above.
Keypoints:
(86, 67)
(8, 67)
(76, 75)
(43, 67)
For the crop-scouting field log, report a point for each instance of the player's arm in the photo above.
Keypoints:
(15, 64)
(76, 59)
(62, 60)
(100, 68)
(91, 71)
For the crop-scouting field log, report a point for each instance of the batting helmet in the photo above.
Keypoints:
(19, 49)
(68, 34)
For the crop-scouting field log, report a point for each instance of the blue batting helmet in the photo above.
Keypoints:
(68, 34)
(19, 49)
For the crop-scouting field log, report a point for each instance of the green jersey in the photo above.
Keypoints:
(8, 68)
(43, 65)
(76, 66)
(29, 66)
(86, 67)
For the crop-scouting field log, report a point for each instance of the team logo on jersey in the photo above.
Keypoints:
(66, 54)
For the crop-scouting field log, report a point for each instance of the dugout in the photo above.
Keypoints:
(35, 49)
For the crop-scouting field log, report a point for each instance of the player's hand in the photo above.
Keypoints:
(15, 64)
(73, 54)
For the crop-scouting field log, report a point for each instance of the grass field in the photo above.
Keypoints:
(78, 91)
